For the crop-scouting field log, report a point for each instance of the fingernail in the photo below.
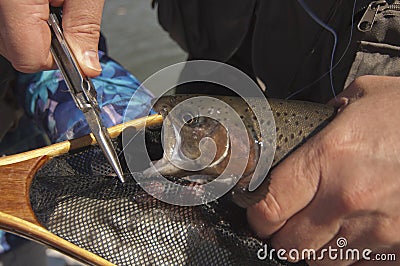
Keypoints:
(91, 59)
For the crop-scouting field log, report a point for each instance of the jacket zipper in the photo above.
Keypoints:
(375, 7)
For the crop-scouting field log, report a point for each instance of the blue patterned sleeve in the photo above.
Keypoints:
(48, 101)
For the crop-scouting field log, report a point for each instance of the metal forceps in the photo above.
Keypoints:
(82, 91)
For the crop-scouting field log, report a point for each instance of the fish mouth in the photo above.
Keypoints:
(164, 166)
(176, 163)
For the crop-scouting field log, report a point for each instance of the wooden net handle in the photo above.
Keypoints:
(16, 174)
(66, 146)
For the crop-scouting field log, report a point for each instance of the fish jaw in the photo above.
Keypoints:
(163, 167)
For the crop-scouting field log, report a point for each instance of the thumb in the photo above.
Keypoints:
(81, 26)
(294, 183)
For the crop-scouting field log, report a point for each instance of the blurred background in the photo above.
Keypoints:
(136, 40)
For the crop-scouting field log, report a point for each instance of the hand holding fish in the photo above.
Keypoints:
(25, 36)
(344, 182)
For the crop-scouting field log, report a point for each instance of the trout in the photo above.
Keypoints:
(294, 122)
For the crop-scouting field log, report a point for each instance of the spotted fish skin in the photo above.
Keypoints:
(295, 122)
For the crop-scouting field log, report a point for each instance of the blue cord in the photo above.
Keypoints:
(332, 31)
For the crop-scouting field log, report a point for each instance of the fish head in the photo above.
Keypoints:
(192, 141)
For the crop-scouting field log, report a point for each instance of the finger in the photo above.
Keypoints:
(356, 241)
(319, 222)
(350, 94)
(294, 183)
(375, 263)
(347, 96)
(339, 102)
(309, 230)
(81, 25)
(384, 257)
(346, 248)
(332, 254)
(25, 36)
(362, 86)
(356, 253)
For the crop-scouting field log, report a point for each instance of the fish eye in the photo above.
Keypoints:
(189, 119)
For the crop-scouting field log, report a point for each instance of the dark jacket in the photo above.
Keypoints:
(277, 42)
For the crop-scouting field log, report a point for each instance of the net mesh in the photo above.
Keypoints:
(75, 197)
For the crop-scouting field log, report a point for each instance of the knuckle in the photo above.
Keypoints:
(333, 143)
(363, 82)
(271, 210)
(84, 27)
(30, 66)
(353, 200)
(23, 68)
(28, 60)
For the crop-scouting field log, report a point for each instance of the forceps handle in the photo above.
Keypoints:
(80, 87)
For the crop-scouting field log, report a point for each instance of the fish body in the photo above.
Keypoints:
(204, 135)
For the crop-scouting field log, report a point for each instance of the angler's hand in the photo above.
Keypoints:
(344, 182)
(25, 36)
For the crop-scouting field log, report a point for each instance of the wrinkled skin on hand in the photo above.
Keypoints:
(25, 36)
(344, 182)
